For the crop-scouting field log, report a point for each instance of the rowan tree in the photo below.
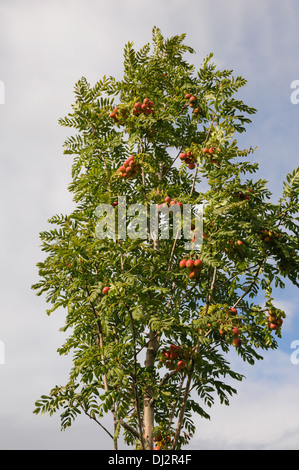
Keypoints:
(152, 348)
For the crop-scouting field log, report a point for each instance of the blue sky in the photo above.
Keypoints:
(45, 47)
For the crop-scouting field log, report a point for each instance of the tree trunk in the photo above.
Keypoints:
(148, 402)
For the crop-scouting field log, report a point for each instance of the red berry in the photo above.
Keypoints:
(197, 262)
(190, 263)
(194, 273)
(183, 263)
(106, 290)
(237, 342)
(174, 355)
(180, 365)
(236, 331)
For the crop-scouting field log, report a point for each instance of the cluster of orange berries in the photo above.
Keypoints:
(169, 202)
(228, 326)
(175, 357)
(235, 330)
(129, 169)
(193, 265)
(243, 196)
(274, 320)
(118, 116)
(269, 235)
(193, 103)
(189, 158)
(121, 113)
(146, 107)
(210, 152)
(162, 442)
(235, 248)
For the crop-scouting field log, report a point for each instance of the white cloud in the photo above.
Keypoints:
(263, 415)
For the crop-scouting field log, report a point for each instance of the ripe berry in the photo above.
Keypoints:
(174, 355)
(272, 319)
(106, 290)
(190, 263)
(237, 342)
(180, 365)
(194, 273)
(197, 262)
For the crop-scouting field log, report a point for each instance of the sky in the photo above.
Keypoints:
(45, 48)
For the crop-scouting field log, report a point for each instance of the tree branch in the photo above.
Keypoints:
(134, 376)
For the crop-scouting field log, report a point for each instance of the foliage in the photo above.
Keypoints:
(126, 344)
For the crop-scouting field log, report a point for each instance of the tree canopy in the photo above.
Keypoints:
(151, 322)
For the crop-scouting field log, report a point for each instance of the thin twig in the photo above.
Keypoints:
(135, 386)
(95, 419)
